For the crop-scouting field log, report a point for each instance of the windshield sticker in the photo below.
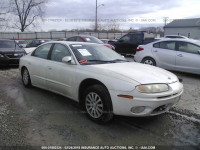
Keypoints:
(77, 45)
(83, 61)
(88, 39)
(84, 52)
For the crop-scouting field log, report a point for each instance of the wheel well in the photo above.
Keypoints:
(148, 57)
(85, 84)
(22, 69)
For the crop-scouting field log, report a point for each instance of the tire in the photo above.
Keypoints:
(97, 104)
(26, 78)
(149, 61)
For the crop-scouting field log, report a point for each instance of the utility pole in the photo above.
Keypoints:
(165, 20)
(96, 18)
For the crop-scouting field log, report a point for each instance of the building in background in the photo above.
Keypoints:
(186, 27)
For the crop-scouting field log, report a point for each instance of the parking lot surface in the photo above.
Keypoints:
(35, 117)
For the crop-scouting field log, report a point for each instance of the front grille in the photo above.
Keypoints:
(14, 56)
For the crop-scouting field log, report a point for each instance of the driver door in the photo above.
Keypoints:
(60, 76)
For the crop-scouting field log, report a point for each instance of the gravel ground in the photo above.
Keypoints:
(35, 117)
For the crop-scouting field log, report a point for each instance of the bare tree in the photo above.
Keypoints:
(4, 9)
(27, 12)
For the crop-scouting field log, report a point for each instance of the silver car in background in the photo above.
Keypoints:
(173, 54)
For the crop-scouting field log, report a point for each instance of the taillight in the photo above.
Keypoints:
(139, 49)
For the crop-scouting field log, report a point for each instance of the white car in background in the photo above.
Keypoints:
(176, 36)
(100, 79)
(172, 54)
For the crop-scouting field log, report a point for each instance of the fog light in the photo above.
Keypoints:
(137, 109)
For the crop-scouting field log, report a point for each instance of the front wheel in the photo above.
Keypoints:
(26, 78)
(97, 103)
(149, 61)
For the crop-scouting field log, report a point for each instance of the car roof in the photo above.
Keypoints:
(6, 40)
(82, 36)
(178, 39)
(72, 42)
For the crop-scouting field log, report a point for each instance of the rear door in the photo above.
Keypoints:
(165, 54)
(188, 57)
(37, 65)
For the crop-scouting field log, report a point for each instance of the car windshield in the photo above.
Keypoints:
(93, 40)
(8, 44)
(22, 42)
(95, 54)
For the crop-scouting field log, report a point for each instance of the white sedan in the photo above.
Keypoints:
(173, 54)
(101, 80)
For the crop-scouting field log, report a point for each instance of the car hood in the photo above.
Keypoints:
(143, 74)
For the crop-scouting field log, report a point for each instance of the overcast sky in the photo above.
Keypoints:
(63, 14)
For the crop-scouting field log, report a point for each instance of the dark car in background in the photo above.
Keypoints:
(10, 53)
(37, 42)
(128, 43)
(21, 43)
(89, 39)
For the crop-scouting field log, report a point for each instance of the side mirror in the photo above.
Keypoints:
(199, 52)
(68, 59)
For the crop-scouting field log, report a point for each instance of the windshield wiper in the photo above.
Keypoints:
(101, 61)
(116, 60)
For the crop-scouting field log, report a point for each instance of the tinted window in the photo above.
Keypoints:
(137, 38)
(126, 38)
(42, 51)
(156, 45)
(59, 51)
(22, 42)
(168, 45)
(93, 40)
(71, 39)
(188, 47)
(79, 39)
(8, 44)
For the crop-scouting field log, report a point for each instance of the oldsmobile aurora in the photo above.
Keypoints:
(101, 80)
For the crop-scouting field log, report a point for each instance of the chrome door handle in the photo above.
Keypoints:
(180, 55)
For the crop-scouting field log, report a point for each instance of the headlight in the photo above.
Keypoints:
(1, 56)
(153, 88)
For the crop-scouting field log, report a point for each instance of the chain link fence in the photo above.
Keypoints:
(56, 35)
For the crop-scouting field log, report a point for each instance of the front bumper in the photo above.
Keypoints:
(10, 59)
(151, 104)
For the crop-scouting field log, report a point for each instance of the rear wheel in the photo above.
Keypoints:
(26, 78)
(149, 61)
(97, 103)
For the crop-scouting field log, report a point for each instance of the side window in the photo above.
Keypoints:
(72, 39)
(79, 39)
(42, 51)
(137, 38)
(59, 51)
(168, 45)
(126, 38)
(156, 45)
(188, 47)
